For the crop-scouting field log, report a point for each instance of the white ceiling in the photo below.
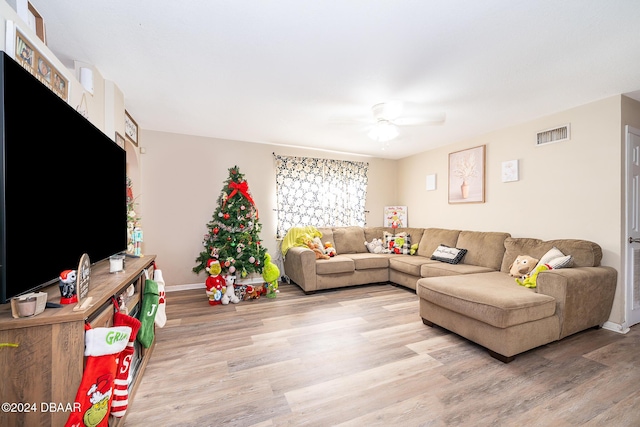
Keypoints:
(300, 72)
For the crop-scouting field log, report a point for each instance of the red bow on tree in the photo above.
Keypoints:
(243, 188)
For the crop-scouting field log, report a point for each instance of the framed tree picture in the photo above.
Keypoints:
(466, 175)
(130, 128)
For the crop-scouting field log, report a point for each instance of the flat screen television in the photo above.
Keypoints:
(62, 186)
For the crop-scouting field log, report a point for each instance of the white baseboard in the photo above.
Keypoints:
(615, 327)
(256, 280)
(185, 287)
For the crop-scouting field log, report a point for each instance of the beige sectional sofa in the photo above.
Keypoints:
(475, 298)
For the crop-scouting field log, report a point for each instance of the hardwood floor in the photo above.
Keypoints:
(362, 357)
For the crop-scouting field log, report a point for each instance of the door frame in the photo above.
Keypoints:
(628, 248)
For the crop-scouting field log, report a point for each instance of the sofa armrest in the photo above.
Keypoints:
(584, 295)
(300, 267)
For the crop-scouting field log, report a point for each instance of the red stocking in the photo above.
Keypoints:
(121, 384)
(102, 347)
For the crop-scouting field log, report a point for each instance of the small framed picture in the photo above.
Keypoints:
(510, 171)
(130, 128)
(119, 140)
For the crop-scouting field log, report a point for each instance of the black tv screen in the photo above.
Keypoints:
(62, 186)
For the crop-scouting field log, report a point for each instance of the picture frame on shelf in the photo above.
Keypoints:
(467, 175)
(119, 140)
(130, 128)
(23, 50)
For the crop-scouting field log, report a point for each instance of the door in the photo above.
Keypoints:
(632, 256)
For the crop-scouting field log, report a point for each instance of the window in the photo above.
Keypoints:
(319, 192)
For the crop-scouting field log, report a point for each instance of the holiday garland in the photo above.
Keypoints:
(233, 232)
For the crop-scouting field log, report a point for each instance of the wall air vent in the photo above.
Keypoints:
(558, 134)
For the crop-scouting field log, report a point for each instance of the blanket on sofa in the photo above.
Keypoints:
(297, 236)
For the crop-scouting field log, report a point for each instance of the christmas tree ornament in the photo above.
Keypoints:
(216, 230)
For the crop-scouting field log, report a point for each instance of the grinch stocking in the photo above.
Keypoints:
(120, 399)
(148, 313)
(161, 315)
(102, 348)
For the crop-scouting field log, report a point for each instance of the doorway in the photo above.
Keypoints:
(632, 226)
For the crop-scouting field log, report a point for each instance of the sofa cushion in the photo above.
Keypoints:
(438, 269)
(369, 260)
(484, 248)
(492, 298)
(583, 252)
(335, 265)
(349, 240)
(408, 264)
(327, 235)
(432, 237)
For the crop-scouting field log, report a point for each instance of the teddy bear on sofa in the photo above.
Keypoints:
(522, 266)
(329, 249)
(317, 248)
(375, 246)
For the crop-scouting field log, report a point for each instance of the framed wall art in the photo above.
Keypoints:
(395, 216)
(466, 175)
(510, 171)
(119, 140)
(23, 50)
(130, 128)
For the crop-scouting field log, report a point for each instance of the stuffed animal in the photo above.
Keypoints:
(413, 249)
(317, 249)
(530, 280)
(230, 293)
(375, 246)
(329, 249)
(522, 266)
(254, 292)
(215, 284)
(270, 274)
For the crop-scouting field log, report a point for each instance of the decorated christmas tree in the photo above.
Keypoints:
(233, 232)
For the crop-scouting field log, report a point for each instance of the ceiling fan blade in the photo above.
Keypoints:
(430, 119)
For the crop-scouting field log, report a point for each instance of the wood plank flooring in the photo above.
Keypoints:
(361, 356)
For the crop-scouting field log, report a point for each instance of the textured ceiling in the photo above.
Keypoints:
(306, 73)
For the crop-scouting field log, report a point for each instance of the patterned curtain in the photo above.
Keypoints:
(319, 192)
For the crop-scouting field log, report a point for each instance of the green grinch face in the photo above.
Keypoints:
(215, 269)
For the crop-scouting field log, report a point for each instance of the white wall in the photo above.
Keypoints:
(183, 177)
(569, 189)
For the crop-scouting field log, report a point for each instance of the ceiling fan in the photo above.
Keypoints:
(388, 118)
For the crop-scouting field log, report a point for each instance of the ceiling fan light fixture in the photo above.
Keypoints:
(383, 131)
(387, 110)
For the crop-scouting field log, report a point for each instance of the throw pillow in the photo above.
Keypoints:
(554, 258)
(397, 244)
(448, 254)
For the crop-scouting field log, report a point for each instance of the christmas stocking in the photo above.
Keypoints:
(161, 315)
(102, 347)
(120, 399)
(148, 313)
